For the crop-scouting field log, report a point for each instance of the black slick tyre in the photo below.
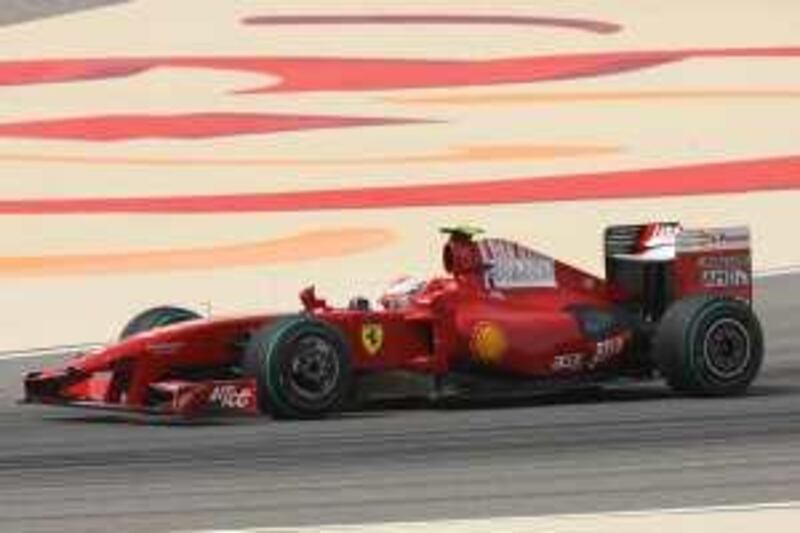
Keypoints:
(157, 317)
(302, 368)
(709, 346)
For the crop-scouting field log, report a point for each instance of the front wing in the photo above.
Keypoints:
(174, 397)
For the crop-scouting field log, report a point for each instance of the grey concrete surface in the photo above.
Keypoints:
(623, 449)
(16, 11)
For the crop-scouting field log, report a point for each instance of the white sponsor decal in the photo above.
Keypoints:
(724, 271)
(607, 349)
(231, 396)
(511, 266)
(658, 241)
(568, 361)
(661, 235)
(610, 347)
(717, 279)
(714, 239)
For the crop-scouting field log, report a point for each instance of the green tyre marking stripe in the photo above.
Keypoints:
(273, 386)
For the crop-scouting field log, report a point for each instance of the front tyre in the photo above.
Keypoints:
(302, 368)
(157, 317)
(709, 346)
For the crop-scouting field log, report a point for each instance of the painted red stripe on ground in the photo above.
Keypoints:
(184, 126)
(730, 177)
(343, 74)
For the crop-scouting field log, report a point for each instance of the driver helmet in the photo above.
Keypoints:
(400, 292)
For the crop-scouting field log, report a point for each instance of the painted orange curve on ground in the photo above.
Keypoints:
(470, 154)
(306, 246)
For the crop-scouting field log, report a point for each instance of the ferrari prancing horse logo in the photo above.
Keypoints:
(372, 337)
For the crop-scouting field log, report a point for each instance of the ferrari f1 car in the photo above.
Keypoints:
(675, 303)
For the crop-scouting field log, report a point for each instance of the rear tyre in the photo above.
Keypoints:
(709, 346)
(157, 317)
(302, 368)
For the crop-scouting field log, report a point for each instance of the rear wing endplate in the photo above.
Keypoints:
(714, 261)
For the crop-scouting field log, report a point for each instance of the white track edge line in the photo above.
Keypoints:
(498, 521)
(778, 271)
(48, 350)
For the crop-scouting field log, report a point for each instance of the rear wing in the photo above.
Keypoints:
(657, 263)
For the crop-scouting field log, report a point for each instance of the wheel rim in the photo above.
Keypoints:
(313, 369)
(726, 348)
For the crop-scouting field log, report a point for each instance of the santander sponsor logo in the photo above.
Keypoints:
(231, 396)
(657, 241)
(659, 235)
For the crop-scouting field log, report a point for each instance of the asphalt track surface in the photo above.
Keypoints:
(622, 449)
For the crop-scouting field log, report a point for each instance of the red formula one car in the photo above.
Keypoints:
(676, 303)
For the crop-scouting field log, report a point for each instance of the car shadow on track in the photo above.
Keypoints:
(593, 395)
(388, 407)
(133, 419)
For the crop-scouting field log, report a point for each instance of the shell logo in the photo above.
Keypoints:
(488, 342)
